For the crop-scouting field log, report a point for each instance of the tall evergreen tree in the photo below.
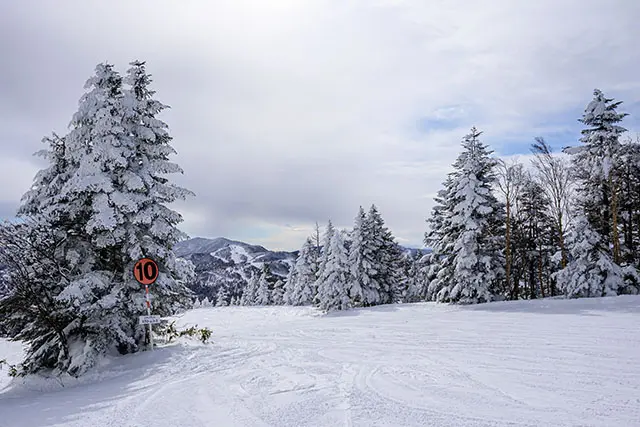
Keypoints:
(334, 282)
(304, 276)
(263, 293)
(108, 200)
(362, 258)
(289, 286)
(416, 288)
(323, 253)
(250, 291)
(388, 256)
(326, 240)
(222, 297)
(278, 293)
(476, 219)
(441, 238)
(597, 165)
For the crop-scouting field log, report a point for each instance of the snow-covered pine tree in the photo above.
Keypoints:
(596, 165)
(441, 238)
(249, 293)
(277, 296)
(388, 259)
(109, 200)
(222, 297)
(478, 217)
(123, 154)
(591, 271)
(334, 283)
(324, 252)
(326, 239)
(364, 290)
(415, 289)
(304, 276)
(289, 286)
(263, 293)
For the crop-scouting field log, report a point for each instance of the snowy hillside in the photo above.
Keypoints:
(230, 263)
(526, 363)
(200, 245)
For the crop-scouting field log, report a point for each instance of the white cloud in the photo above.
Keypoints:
(288, 112)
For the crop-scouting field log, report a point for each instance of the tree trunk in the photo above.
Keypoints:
(563, 250)
(542, 294)
(508, 252)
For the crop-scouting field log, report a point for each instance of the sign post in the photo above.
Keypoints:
(146, 272)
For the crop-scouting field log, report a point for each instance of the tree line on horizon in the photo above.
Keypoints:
(498, 231)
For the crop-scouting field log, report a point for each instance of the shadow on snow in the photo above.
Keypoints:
(52, 401)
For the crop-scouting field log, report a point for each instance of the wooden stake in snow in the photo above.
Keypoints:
(146, 273)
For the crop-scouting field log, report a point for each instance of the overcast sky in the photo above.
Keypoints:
(287, 112)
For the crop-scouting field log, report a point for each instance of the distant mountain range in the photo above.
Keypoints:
(231, 263)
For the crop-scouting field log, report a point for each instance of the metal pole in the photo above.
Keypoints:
(146, 294)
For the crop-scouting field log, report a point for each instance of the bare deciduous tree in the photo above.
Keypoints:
(509, 183)
(554, 175)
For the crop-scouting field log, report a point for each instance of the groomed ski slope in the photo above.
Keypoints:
(540, 363)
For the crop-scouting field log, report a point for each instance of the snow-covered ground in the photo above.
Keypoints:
(541, 363)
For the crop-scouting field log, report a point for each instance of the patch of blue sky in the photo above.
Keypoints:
(431, 124)
(444, 118)
(632, 121)
(559, 131)
(521, 144)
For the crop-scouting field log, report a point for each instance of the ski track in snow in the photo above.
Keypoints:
(540, 363)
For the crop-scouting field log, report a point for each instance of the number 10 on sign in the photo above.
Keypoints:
(146, 272)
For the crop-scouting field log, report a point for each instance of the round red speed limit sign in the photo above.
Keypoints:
(146, 271)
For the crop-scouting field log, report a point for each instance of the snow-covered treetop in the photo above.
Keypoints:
(475, 157)
(601, 138)
(601, 114)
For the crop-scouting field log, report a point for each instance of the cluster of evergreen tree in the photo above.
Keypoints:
(358, 268)
(561, 227)
(99, 206)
